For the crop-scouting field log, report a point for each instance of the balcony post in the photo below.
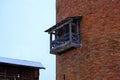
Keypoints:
(70, 31)
(78, 30)
(50, 41)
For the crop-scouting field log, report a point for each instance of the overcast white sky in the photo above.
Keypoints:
(22, 36)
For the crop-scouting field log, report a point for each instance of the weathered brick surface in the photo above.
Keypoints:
(99, 57)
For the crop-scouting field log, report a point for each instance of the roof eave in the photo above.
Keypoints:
(63, 22)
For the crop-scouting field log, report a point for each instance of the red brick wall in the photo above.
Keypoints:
(99, 57)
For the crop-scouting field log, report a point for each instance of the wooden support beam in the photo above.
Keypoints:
(70, 31)
(78, 30)
(50, 41)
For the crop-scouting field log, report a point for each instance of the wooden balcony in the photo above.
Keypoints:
(65, 35)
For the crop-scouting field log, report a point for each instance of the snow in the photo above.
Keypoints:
(21, 62)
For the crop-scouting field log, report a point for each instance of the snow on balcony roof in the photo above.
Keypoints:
(21, 62)
(63, 22)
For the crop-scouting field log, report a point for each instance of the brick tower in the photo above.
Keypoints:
(91, 50)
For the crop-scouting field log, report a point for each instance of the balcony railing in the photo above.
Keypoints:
(63, 41)
(59, 41)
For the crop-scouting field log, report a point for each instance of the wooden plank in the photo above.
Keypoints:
(70, 31)
(78, 30)
(62, 25)
(50, 41)
(64, 47)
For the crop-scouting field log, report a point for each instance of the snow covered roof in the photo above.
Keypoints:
(21, 62)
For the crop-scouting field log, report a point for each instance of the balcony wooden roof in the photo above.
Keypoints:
(62, 23)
